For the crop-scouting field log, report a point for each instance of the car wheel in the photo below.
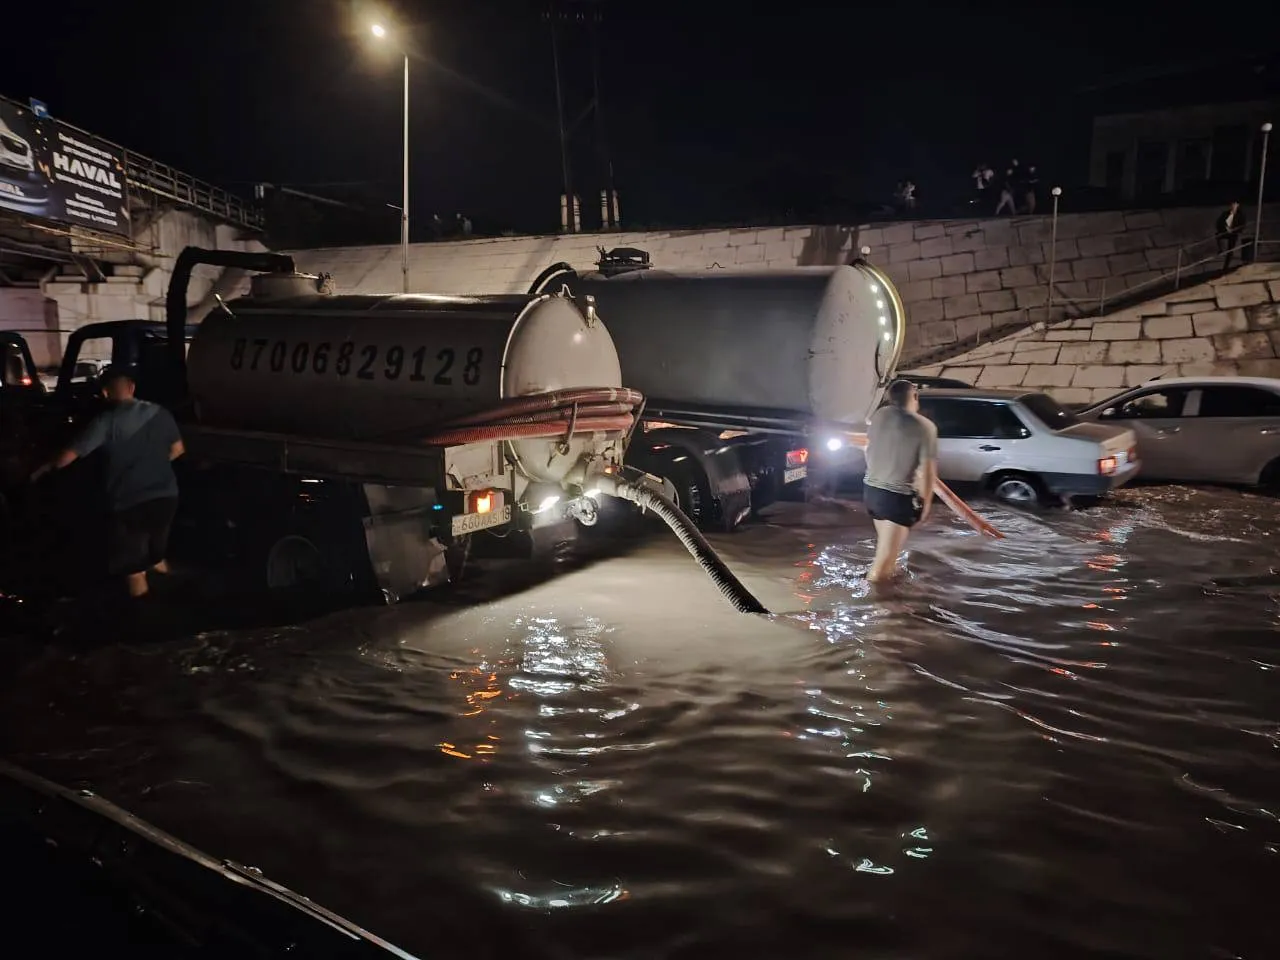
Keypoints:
(1019, 489)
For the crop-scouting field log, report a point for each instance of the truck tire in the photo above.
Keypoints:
(693, 497)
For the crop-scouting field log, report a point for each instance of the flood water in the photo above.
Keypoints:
(1063, 744)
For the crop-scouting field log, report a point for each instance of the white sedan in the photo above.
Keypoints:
(1202, 429)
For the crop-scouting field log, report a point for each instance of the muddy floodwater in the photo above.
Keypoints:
(1062, 744)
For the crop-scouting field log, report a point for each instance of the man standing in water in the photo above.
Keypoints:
(902, 467)
(139, 440)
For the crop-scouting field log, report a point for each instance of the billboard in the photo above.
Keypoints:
(53, 171)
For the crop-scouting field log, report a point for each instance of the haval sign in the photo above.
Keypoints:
(51, 171)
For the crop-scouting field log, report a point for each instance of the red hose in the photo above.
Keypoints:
(551, 400)
(528, 431)
(556, 413)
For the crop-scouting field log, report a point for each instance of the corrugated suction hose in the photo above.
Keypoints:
(729, 585)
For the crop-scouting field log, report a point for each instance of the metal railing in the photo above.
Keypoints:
(1184, 269)
(164, 181)
(1075, 309)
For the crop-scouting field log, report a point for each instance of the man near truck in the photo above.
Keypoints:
(139, 441)
(902, 468)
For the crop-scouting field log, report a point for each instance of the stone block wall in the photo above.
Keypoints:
(960, 279)
(1229, 327)
(964, 280)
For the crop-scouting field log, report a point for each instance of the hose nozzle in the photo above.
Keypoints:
(647, 498)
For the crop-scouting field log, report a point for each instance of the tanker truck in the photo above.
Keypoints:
(359, 442)
(751, 378)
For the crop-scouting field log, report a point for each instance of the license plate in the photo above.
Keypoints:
(791, 476)
(465, 523)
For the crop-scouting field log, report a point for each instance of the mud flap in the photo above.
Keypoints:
(403, 554)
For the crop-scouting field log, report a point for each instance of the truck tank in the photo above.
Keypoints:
(294, 358)
(809, 342)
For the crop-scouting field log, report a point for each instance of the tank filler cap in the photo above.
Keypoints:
(622, 260)
(282, 286)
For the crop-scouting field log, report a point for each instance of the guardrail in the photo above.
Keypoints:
(160, 179)
(1184, 269)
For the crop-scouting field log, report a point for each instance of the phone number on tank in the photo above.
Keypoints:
(364, 362)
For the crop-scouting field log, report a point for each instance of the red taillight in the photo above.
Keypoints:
(1132, 455)
(797, 458)
(485, 501)
(1106, 466)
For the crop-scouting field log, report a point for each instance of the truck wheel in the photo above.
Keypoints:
(693, 497)
(294, 562)
(1019, 489)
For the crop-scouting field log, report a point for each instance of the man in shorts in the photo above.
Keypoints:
(139, 441)
(902, 467)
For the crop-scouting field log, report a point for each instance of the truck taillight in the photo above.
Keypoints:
(485, 501)
(797, 458)
(1106, 466)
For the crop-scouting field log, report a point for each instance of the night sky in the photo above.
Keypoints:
(714, 115)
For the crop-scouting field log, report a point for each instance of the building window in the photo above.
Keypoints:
(1230, 154)
(1153, 165)
(1115, 171)
(1193, 164)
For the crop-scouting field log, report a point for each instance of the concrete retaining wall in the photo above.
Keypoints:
(68, 300)
(1228, 327)
(959, 278)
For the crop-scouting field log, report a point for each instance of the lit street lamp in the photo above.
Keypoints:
(1053, 254)
(1262, 178)
(380, 32)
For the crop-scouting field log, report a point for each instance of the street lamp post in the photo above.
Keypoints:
(1053, 254)
(1262, 179)
(380, 32)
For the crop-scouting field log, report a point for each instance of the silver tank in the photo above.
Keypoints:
(290, 358)
(812, 341)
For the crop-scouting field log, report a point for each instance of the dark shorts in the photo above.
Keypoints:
(138, 536)
(900, 508)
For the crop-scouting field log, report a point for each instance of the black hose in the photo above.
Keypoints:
(729, 585)
(546, 276)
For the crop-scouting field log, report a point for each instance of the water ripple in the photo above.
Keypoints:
(1064, 743)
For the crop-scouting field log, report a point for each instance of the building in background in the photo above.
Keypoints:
(1202, 152)
(1183, 133)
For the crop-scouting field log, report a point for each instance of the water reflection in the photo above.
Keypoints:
(1017, 753)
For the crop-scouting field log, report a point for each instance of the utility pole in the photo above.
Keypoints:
(564, 138)
(601, 140)
(580, 12)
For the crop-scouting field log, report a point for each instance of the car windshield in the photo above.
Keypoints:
(1048, 411)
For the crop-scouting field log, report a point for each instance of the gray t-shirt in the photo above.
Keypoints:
(135, 438)
(898, 442)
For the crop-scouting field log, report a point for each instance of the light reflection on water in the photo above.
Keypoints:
(1019, 752)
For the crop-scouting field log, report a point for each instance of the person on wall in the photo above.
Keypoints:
(140, 441)
(1228, 229)
(902, 468)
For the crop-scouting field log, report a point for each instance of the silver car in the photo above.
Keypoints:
(1202, 429)
(1024, 447)
(15, 151)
